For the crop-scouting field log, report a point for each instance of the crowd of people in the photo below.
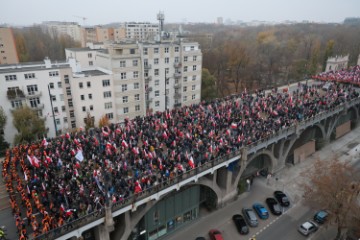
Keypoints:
(56, 181)
(351, 75)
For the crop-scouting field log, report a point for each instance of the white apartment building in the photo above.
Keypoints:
(337, 63)
(150, 76)
(55, 28)
(33, 84)
(138, 31)
(85, 57)
(74, 93)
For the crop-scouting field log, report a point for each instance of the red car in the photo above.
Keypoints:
(215, 235)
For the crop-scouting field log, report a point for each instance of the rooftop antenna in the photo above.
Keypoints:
(161, 18)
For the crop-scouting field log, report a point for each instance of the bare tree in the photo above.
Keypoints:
(333, 185)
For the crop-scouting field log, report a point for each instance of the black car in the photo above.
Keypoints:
(273, 206)
(240, 224)
(282, 198)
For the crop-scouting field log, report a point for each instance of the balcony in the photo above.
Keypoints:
(33, 94)
(15, 94)
(177, 64)
(177, 105)
(148, 78)
(149, 89)
(149, 100)
(177, 75)
(147, 66)
(177, 95)
(177, 86)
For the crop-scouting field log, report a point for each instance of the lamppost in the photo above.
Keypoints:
(52, 110)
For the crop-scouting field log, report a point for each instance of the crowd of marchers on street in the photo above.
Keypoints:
(351, 75)
(56, 181)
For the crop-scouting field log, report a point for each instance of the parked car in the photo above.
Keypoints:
(308, 227)
(327, 86)
(250, 217)
(261, 211)
(321, 216)
(274, 206)
(282, 198)
(240, 224)
(215, 235)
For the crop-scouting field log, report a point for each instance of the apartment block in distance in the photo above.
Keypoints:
(55, 28)
(8, 53)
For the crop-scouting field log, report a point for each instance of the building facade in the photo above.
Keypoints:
(139, 31)
(8, 53)
(55, 28)
(337, 63)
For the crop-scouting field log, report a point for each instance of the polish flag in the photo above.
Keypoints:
(180, 167)
(118, 131)
(34, 161)
(233, 125)
(191, 162)
(105, 133)
(124, 144)
(228, 132)
(165, 136)
(135, 150)
(138, 187)
(160, 164)
(44, 142)
(67, 135)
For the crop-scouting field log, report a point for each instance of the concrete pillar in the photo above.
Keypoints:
(109, 221)
(322, 142)
(101, 232)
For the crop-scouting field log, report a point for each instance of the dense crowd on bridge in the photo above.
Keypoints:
(350, 75)
(56, 181)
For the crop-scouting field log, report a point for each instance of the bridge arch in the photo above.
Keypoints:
(171, 211)
(263, 159)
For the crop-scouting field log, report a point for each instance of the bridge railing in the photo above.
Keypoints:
(252, 148)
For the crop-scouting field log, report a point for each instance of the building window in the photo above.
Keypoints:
(185, 69)
(167, 81)
(137, 97)
(91, 63)
(72, 114)
(81, 85)
(157, 103)
(185, 59)
(194, 77)
(51, 85)
(132, 51)
(53, 98)
(107, 94)
(63, 108)
(109, 115)
(88, 84)
(184, 88)
(193, 87)
(91, 107)
(193, 97)
(106, 82)
(184, 98)
(73, 124)
(59, 84)
(167, 70)
(194, 58)
(192, 48)
(89, 55)
(16, 104)
(185, 79)
(157, 82)
(34, 102)
(54, 74)
(29, 75)
(145, 51)
(176, 59)
(108, 105)
(157, 93)
(136, 85)
(10, 78)
(66, 79)
(136, 74)
(65, 119)
(194, 68)
(123, 75)
(123, 63)
(90, 96)
(176, 49)
(156, 72)
(57, 121)
(70, 103)
(137, 108)
(68, 91)
(166, 50)
(124, 87)
(125, 99)
(61, 97)
(126, 109)
(156, 61)
(167, 60)
(84, 109)
(156, 50)
(32, 89)
(135, 63)
(82, 97)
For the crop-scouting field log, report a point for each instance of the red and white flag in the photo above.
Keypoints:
(191, 162)
(124, 144)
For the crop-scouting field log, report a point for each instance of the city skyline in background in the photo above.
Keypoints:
(23, 13)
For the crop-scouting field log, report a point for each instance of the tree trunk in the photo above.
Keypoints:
(338, 234)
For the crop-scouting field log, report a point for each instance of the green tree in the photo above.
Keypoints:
(208, 85)
(29, 125)
(329, 51)
(333, 185)
(3, 144)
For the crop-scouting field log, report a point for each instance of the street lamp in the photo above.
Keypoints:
(52, 110)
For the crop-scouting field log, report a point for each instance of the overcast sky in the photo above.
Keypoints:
(27, 12)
